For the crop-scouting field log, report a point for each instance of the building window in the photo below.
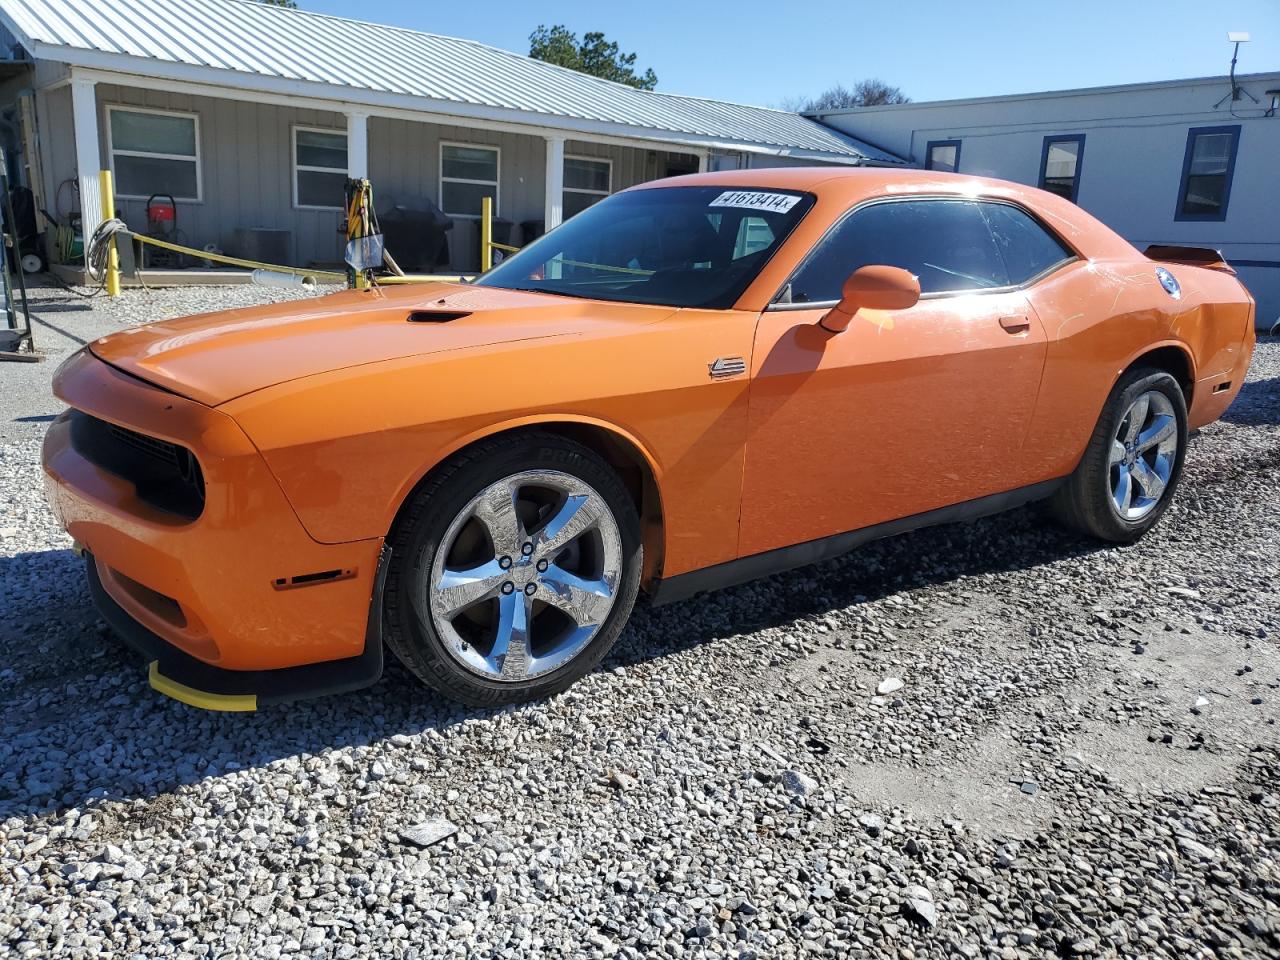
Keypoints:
(467, 174)
(586, 181)
(1060, 164)
(319, 168)
(154, 152)
(720, 162)
(942, 155)
(1207, 168)
(754, 235)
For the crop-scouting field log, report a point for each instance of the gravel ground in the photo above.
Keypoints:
(1081, 759)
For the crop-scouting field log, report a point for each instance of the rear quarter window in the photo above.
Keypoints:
(1029, 249)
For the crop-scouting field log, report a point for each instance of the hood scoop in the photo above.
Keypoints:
(437, 316)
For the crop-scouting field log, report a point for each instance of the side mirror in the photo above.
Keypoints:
(874, 288)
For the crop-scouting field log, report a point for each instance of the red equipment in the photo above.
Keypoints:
(162, 224)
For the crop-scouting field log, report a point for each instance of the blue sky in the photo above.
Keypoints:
(762, 53)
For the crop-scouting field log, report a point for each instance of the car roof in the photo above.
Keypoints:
(861, 179)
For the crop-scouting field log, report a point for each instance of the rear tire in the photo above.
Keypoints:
(514, 568)
(1133, 463)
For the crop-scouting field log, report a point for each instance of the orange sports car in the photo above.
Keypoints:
(692, 383)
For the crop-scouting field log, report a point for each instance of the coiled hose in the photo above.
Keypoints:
(98, 251)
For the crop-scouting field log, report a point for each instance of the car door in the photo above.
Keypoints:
(905, 411)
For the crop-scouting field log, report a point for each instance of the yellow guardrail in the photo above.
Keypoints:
(327, 276)
(424, 278)
(487, 246)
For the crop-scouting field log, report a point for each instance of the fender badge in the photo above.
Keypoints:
(726, 367)
(1169, 282)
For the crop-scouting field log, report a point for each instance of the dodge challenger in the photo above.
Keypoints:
(692, 383)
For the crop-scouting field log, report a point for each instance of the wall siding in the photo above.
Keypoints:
(246, 171)
(404, 166)
(57, 153)
(47, 72)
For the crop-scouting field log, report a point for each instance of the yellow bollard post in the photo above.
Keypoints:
(107, 188)
(486, 234)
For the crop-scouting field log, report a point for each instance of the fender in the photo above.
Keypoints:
(1129, 361)
(621, 434)
(1145, 349)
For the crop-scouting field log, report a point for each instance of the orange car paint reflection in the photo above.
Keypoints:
(315, 420)
(878, 423)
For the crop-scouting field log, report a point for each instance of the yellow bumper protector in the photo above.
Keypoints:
(237, 703)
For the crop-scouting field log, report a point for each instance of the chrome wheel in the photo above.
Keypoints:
(1143, 453)
(525, 575)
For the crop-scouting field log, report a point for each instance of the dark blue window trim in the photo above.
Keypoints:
(1192, 133)
(928, 152)
(1076, 138)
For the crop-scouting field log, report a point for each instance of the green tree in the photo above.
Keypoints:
(291, 4)
(865, 93)
(593, 55)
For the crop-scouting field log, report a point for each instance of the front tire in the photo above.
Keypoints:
(1133, 463)
(514, 569)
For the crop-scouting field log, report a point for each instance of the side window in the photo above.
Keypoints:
(1207, 169)
(946, 243)
(319, 168)
(154, 151)
(1060, 164)
(586, 181)
(942, 155)
(468, 173)
(1028, 248)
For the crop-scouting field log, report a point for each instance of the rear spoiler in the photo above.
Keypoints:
(1192, 256)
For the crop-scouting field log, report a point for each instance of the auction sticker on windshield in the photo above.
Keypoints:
(756, 200)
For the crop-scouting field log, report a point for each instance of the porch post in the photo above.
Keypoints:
(84, 114)
(357, 145)
(555, 182)
(703, 157)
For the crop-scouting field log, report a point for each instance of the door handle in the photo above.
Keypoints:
(1018, 324)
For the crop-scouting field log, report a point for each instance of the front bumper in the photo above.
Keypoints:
(182, 677)
(233, 595)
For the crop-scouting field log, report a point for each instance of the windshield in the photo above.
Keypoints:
(674, 246)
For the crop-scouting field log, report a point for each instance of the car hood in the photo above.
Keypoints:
(216, 357)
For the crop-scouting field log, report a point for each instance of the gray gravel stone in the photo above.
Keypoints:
(799, 783)
(428, 832)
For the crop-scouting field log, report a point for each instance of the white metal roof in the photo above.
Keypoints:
(238, 42)
(1108, 90)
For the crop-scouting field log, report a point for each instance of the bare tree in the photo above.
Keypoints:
(865, 93)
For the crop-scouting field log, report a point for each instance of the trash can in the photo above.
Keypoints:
(501, 234)
(531, 230)
(416, 236)
(263, 244)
